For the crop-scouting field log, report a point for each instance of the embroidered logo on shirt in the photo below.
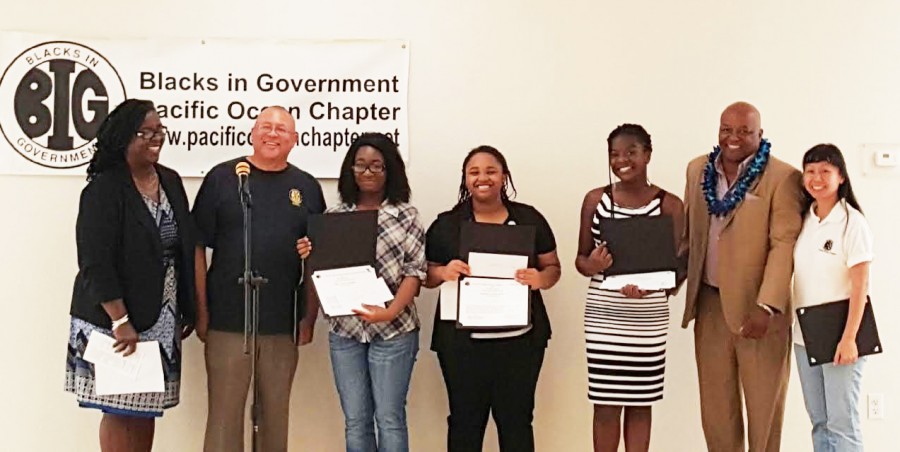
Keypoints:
(296, 197)
(827, 246)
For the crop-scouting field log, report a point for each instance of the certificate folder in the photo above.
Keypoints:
(504, 286)
(823, 325)
(640, 244)
(496, 239)
(345, 239)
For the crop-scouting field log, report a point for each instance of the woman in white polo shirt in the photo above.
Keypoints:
(831, 263)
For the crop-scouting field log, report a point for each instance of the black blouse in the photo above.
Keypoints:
(442, 246)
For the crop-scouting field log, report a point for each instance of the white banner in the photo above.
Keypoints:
(55, 92)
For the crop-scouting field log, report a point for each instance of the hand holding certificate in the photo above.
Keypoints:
(343, 260)
(643, 253)
(345, 290)
(492, 302)
(491, 297)
(117, 374)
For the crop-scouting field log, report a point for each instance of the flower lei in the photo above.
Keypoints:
(736, 194)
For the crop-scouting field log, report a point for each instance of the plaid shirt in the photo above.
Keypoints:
(399, 252)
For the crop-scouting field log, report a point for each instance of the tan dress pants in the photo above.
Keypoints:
(228, 376)
(732, 368)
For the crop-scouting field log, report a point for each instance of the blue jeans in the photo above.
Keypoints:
(831, 394)
(372, 381)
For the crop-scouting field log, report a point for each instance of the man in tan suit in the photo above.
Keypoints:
(742, 219)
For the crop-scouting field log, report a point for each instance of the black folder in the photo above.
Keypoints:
(496, 239)
(639, 244)
(345, 239)
(823, 325)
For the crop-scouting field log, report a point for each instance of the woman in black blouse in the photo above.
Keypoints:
(497, 371)
(135, 271)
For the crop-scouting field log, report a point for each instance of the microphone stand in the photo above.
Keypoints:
(252, 281)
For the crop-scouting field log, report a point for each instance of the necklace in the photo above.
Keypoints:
(148, 187)
(735, 194)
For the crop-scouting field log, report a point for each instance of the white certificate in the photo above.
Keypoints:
(644, 281)
(487, 302)
(342, 290)
(117, 374)
(491, 265)
(449, 298)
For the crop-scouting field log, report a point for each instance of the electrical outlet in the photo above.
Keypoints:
(876, 406)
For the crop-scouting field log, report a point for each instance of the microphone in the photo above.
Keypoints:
(242, 169)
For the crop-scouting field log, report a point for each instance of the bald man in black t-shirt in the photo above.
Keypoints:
(283, 198)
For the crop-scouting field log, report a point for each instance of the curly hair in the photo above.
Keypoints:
(115, 134)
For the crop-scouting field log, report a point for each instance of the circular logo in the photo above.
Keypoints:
(54, 97)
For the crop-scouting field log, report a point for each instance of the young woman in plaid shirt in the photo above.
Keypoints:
(373, 352)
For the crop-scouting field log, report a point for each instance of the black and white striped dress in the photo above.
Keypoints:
(626, 337)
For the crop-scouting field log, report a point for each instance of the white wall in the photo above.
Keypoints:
(545, 82)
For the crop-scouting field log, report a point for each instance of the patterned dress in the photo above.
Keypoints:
(166, 330)
(626, 337)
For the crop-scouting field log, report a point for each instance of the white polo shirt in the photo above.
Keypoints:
(823, 255)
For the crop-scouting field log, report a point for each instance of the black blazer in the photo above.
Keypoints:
(120, 251)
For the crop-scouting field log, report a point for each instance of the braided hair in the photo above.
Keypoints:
(115, 134)
(509, 188)
(632, 130)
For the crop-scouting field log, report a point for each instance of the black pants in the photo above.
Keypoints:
(496, 376)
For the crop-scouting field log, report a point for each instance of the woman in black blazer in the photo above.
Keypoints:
(135, 270)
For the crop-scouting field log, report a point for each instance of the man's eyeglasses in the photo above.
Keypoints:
(375, 168)
(269, 128)
(151, 134)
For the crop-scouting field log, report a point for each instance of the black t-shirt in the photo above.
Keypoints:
(282, 202)
(442, 246)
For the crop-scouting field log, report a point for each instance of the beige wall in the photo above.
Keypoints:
(545, 82)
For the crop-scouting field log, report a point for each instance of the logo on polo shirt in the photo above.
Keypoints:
(56, 96)
(827, 247)
(296, 197)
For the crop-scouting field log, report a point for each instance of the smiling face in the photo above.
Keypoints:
(147, 143)
(740, 132)
(628, 158)
(274, 135)
(484, 177)
(822, 180)
(369, 170)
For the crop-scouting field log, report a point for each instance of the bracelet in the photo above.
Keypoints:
(767, 308)
(117, 323)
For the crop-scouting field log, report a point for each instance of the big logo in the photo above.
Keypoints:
(53, 98)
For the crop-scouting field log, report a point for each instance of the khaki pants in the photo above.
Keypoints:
(731, 367)
(228, 377)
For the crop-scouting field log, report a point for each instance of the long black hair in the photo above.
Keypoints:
(831, 154)
(508, 190)
(396, 184)
(115, 134)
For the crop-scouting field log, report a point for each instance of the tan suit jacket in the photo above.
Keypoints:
(755, 260)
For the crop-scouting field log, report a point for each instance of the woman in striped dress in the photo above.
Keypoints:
(625, 330)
